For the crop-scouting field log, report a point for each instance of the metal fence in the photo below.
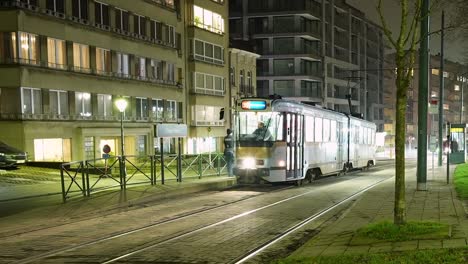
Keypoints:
(82, 178)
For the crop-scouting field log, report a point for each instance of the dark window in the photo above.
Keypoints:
(121, 19)
(101, 13)
(30, 2)
(80, 8)
(157, 30)
(140, 25)
(56, 5)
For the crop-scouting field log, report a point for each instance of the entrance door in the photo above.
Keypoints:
(294, 146)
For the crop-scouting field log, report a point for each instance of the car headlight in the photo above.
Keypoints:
(446, 150)
(248, 163)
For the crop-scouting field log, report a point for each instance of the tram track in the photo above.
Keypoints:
(135, 230)
(150, 245)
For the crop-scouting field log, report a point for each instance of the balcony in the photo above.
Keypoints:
(87, 71)
(309, 53)
(305, 7)
(286, 31)
(313, 75)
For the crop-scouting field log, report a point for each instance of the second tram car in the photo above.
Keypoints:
(280, 141)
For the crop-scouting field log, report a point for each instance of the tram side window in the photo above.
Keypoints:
(361, 135)
(333, 131)
(309, 131)
(326, 130)
(318, 129)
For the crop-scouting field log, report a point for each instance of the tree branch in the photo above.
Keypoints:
(385, 27)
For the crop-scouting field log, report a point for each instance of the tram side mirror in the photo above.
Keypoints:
(221, 114)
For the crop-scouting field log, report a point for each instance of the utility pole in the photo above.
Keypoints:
(441, 90)
(423, 100)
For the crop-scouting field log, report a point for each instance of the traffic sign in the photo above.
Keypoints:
(106, 149)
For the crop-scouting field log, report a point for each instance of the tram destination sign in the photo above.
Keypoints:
(170, 130)
(253, 104)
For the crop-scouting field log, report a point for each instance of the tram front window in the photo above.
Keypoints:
(260, 127)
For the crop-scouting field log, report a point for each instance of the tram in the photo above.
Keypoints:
(279, 140)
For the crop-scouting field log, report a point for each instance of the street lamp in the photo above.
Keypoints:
(122, 105)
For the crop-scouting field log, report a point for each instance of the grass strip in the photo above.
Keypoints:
(452, 255)
(461, 180)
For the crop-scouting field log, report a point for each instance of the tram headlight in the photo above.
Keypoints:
(248, 163)
(281, 163)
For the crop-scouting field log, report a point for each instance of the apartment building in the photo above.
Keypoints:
(455, 84)
(314, 50)
(64, 63)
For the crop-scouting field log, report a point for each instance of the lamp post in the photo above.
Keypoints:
(122, 105)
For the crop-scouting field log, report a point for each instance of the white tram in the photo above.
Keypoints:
(280, 141)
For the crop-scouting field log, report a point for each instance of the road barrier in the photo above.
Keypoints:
(82, 178)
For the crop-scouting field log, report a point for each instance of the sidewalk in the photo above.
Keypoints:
(438, 204)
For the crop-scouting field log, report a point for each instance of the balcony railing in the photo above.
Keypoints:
(77, 117)
(306, 6)
(85, 22)
(310, 52)
(87, 70)
(315, 32)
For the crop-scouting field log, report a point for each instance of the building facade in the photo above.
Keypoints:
(314, 50)
(65, 63)
(455, 84)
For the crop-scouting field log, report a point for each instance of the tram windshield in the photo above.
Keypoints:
(260, 127)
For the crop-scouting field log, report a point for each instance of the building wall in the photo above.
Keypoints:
(316, 51)
(455, 73)
(141, 86)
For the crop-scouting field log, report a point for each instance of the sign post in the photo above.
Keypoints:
(106, 149)
(171, 131)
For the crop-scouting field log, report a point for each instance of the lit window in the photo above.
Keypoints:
(83, 104)
(81, 57)
(433, 94)
(208, 20)
(29, 48)
(457, 87)
(446, 107)
(103, 60)
(157, 109)
(435, 71)
(156, 69)
(56, 53)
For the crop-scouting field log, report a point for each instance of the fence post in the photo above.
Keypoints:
(179, 161)
(162, 161)
(86, 188)
(200, 157)
(64, 197)
(153, 181)
(218, 157)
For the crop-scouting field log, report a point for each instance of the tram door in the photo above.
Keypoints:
(294, 146)
(340, 141)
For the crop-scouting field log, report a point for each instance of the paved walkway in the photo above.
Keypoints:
(438, 204)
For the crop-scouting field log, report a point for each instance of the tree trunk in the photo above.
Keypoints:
(400, 202)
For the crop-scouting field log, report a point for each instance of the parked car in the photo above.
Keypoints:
(10, 157)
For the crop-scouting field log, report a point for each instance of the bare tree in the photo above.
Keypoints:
(405, 45)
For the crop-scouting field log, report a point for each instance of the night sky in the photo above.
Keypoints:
(453, 48)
